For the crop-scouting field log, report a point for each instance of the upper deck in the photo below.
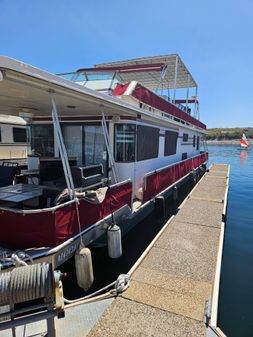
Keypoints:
(156, 79)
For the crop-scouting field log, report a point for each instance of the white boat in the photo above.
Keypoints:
(109, 129)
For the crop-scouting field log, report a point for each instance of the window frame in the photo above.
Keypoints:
(138, 150)
(194, 141)
(185, 137)
(166, 139)
(115, 143)
(198, 143)
(17, 135)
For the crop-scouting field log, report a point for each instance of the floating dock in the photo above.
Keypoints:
(173, 281)
(174, 286)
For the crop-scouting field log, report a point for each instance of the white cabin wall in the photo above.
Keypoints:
(188, 147)
(6, 132)
(136, 171)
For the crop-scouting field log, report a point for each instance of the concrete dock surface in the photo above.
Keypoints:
(170, 287)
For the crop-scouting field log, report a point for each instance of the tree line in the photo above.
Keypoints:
(228, 133)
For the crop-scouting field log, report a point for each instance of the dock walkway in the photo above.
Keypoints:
(170, 286)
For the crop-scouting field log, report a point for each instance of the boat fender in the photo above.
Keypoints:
(175, 193)
(160, 207)
(114, 241)
(84, 268)
(193, 178)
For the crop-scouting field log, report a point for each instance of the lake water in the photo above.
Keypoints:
(236, 290)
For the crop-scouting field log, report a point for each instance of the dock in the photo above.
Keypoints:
(174, 279)
(174, 285)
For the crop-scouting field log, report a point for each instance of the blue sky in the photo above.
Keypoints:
(214, 39)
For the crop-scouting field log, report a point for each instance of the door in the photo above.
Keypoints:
(94, 146)
(72, 135)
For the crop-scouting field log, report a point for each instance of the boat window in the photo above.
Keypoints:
(124, 148)
(147, 142)
(197, 143)
(72, 135)
(185, 137)
(19, 135)
(42, 140)
(194, 141)
(94, 146)
(170, 146)
(184, 155)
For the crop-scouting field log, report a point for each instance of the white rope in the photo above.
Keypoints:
(120, 285)
(79, 222)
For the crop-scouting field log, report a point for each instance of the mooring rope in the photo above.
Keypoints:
(120, 285)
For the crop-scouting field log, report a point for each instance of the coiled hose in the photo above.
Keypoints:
(27, 283)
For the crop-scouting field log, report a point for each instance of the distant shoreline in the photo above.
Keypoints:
(224, 142)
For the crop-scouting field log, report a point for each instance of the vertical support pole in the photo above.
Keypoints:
(62, 149)
(112, 80)
(162, 76)
(195, 105)
(175, 79)
(108, 147)
(187, 92)
(50, 327)
(13, 329)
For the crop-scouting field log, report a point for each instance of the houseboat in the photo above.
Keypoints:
(13, 145)
(104, 143)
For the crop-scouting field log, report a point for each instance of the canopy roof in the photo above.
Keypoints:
(25, 91)
(147, 71)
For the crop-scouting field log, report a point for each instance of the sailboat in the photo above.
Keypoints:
(244, 143)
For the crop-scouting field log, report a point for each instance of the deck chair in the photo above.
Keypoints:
(7, 175)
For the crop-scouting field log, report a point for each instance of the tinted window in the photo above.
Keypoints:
(170, 146)
(124, 144)
(185, 137)
(184, 155)
(42, 140)
(194, 141)
(19, 135)
(197, 142)
(147, 142)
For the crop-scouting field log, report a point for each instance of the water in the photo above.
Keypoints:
(236, 290)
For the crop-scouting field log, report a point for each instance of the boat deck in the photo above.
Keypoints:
(170, 283)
